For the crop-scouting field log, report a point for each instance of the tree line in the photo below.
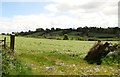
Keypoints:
(83, 31)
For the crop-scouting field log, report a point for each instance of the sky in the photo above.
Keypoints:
(24, 15)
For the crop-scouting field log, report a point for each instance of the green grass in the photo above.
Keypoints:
(58, 57)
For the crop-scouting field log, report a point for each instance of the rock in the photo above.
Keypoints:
(49, 67)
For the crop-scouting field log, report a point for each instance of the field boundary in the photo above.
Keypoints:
(12, 42)
(4, 40)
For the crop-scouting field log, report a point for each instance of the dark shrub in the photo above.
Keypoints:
(58, 38)
(65, 37)
(78, 38)
(3, 34)
(72, 38)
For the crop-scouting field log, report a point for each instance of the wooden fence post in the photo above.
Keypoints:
(5, 42)
(12, 41)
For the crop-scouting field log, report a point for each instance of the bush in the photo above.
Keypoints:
(72, 38)
(12, 66)
(113, 58)
(3, 34)
(58, 38)
(65, 37)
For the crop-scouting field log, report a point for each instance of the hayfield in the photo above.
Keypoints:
(58, 57)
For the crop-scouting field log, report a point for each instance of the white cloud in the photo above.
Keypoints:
(51, 8)
(66, 13)
(95, 12)
(31, 22)
(86, 5)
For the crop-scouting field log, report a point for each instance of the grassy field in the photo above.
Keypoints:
(58, 57)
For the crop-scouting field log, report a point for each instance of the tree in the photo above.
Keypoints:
(65, 37)
(57, 29)
(79, 29)
(47, 30)
(39, 29)
(52, 29)
(78, 33)
(3, 34)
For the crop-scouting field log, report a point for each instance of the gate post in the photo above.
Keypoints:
(5, 42)
(12, 41)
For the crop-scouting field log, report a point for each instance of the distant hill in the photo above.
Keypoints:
(72, 33)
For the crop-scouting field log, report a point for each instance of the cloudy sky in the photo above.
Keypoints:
(26, 15)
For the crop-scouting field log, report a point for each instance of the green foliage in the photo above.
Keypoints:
(3, 34)
(82, 38)
(85, 31)
(58, 38)
(113, 58)
(12, 66)
(65, 37)
(72, 38)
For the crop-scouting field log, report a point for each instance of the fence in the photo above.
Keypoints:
(4, 45)
(12, 42)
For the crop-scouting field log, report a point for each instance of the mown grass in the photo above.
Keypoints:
(58, 57)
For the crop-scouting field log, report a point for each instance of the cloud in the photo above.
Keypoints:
(31, 22)
(66, 14)
(51, 8)
(86, 5)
